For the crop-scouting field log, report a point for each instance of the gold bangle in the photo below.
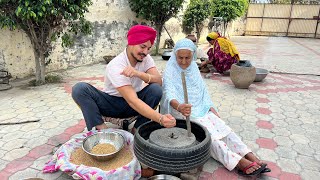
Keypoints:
(160, 119)
(149, 76)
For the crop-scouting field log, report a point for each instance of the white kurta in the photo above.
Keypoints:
(226, 146)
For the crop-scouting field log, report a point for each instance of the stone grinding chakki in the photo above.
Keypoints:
(174, 138)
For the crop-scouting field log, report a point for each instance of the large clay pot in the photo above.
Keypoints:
(242, 77)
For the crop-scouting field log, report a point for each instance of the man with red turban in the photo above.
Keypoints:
(124, 95)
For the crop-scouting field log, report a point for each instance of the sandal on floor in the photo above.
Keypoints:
(266, 170)
(254, 173)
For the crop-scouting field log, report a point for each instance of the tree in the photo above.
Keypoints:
(44, 21)
(196, 12)
(156, 11)
(229, 10)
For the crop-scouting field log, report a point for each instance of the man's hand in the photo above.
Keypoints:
(168, 121)
(129, 71)
(185, 109)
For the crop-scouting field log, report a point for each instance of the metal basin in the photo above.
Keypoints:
(114, 138)
(166, 54)
(260, 74)
(163, 177)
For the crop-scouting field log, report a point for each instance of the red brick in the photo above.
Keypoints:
(307, 88)
(266, 143)
(264, 124)
(5, 174)
(267, 91)
(263, 111)
(59, 139)
(223, 174)
(74, 129)
(82, 122)
(67, 88)
(290, 176)
(19, 164)
(53, 141)
(275, 170)
(306, 79)
(262, 100)
(40, 151)
(219, 78)
(286, 80)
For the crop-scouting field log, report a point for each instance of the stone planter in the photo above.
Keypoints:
(242, 77)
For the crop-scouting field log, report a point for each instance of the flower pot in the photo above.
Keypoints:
(242, 77)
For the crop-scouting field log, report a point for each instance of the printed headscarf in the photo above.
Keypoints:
(198, 95)
(139, 34)
(225, 44)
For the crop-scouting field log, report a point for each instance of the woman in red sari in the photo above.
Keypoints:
(223, 53)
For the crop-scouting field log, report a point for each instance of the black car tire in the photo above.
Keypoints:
(170, 159)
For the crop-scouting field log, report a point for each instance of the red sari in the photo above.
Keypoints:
(220, 60)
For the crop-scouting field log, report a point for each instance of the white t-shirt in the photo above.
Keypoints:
(113, 78)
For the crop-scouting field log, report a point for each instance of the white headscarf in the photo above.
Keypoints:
(198, 95)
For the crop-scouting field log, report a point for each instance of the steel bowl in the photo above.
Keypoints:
(163, 177)
(166, 54)
(260, 74)
(114, 138)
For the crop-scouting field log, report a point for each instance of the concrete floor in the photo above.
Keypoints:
(278, 118)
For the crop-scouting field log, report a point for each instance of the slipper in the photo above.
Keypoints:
(266, 170)
(254, 173)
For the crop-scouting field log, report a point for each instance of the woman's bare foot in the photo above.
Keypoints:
(243, 163)
(251, 157)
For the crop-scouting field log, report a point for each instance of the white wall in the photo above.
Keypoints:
(111, 20)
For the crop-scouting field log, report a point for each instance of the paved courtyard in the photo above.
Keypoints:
(278, 118)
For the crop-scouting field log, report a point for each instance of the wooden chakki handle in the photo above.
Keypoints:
(184, 84)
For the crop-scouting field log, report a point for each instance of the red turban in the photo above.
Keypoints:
(139, 34)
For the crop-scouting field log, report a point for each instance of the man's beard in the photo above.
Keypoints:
(138, 60)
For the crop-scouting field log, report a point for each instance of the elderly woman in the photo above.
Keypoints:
(226, 147)
(223, 53)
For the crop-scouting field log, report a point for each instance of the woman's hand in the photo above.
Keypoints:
(214, 112)
(203, 63)
(185, 109)
(167, 121)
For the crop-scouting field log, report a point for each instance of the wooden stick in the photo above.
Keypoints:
(184, 84)
(22, 122)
